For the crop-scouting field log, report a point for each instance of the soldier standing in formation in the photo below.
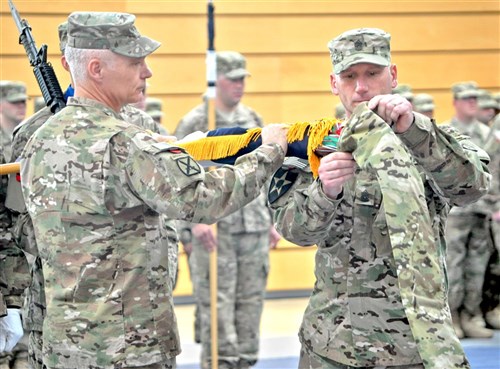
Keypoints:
(243, 239)
(12, 111)
(468, 229)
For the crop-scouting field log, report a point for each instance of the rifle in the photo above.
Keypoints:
(44, 73)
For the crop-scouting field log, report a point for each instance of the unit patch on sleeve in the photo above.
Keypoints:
(188, 165)
(282, 181)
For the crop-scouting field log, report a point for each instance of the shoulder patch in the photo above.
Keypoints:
(188, 165)
(281, 182)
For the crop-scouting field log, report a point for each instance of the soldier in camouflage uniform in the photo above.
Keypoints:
(12, 111)
(94, 187)
(491, 288)
(339, 111)
(468, 229)
(376, 214)
(486, 107)
(404, 90)
(243, 238)
(34, 307)
(424, 104)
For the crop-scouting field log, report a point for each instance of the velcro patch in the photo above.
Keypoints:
(281, 182)
(188, 165)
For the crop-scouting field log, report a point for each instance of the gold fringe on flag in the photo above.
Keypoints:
(217, 147)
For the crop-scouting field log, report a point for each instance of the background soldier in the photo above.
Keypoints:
(12, 111)
(468, 230)
(243, 239)
(424, 104)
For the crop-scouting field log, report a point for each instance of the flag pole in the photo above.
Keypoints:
(210, 95)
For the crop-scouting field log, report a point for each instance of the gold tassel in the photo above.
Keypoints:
(217, 147)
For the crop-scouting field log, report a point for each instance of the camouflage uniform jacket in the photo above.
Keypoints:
(94, 186)
(14, 276)
(478, 133)
(255, 216)
(355, 314)
(34, 306)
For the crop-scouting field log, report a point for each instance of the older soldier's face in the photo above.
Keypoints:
(127, 79)
(361, 82)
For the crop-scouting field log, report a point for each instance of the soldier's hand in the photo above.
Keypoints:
(334, 170)
(203, 233)
(274, 237)
(275, 133)
(194, 136)
(11, 330)
(162, 138)
(394, 109)
(188, 248)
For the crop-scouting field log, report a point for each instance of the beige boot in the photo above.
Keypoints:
(474, 326)
(455, 318)
(493, 317)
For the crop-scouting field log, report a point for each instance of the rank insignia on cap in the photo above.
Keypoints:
(188, 166)
(282, 181)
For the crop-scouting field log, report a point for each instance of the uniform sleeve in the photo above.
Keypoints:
(14, 269)
(173, 183)
(302, 213)
(457, 167)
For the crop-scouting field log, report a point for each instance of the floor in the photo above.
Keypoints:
(280, 346)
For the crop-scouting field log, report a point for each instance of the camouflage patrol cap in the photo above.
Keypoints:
(154, 107)
(13, 91)
(111, 31)
(485, 100)
(362, 45)
(403, 90)
(464, 90)
(423, 103)
(231, 64)
(39, 104)
(62, 29)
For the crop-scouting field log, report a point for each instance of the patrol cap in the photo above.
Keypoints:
(39, 103)
(423, 103)
(362, 45)
(13, 91)
(62, 29)
(154, 107)
(108, 31)
(231, 64)
(403, 90)
(485, 100)
(464, 90)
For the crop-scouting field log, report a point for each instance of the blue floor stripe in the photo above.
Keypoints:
(482, 354)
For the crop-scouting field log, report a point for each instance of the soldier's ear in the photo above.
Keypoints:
(394, 75)
(333, 84)
(94, 69)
